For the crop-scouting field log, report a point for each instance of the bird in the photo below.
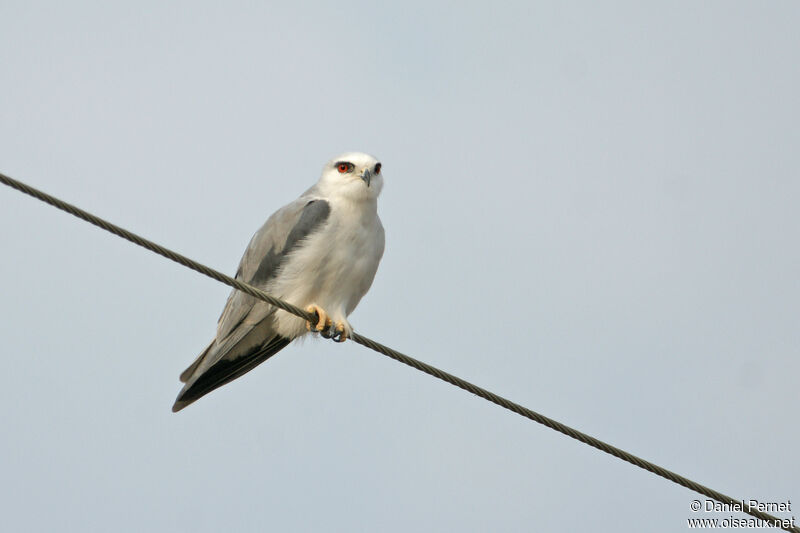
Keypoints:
(320, 253)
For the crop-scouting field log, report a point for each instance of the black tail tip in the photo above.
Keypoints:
(180, 403)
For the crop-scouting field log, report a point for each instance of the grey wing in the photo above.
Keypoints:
(245, 336)
(268, 249)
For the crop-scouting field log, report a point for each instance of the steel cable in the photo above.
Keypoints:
(398, 356)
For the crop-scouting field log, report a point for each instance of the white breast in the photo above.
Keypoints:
(334, 268)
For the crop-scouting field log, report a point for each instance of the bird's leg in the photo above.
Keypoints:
(339, 332)
(323, 324)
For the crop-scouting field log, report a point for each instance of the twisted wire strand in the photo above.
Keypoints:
(398, 356)
(157, 248)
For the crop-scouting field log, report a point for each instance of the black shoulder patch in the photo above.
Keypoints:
(314, 215)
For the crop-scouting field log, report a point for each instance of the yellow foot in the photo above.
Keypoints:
(324, 322)
(340, 334)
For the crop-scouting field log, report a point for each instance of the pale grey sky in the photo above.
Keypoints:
(591, 210)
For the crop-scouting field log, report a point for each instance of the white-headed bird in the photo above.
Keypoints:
(319, 253)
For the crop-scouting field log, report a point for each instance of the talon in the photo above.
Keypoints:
(340, 333)
(324, 322)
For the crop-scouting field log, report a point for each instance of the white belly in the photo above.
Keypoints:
(332, 269)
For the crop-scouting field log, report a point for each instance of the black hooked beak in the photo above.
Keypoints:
(367, 176)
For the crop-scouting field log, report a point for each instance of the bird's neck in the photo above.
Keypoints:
(363, 202)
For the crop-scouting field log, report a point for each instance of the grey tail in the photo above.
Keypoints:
(223, 371)
(187, 374)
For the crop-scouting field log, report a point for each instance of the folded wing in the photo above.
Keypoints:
(245, 333)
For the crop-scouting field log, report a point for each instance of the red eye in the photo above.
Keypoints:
(344, 167)
(378, 168)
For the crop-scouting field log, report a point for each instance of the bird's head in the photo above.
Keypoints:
(352, 175)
